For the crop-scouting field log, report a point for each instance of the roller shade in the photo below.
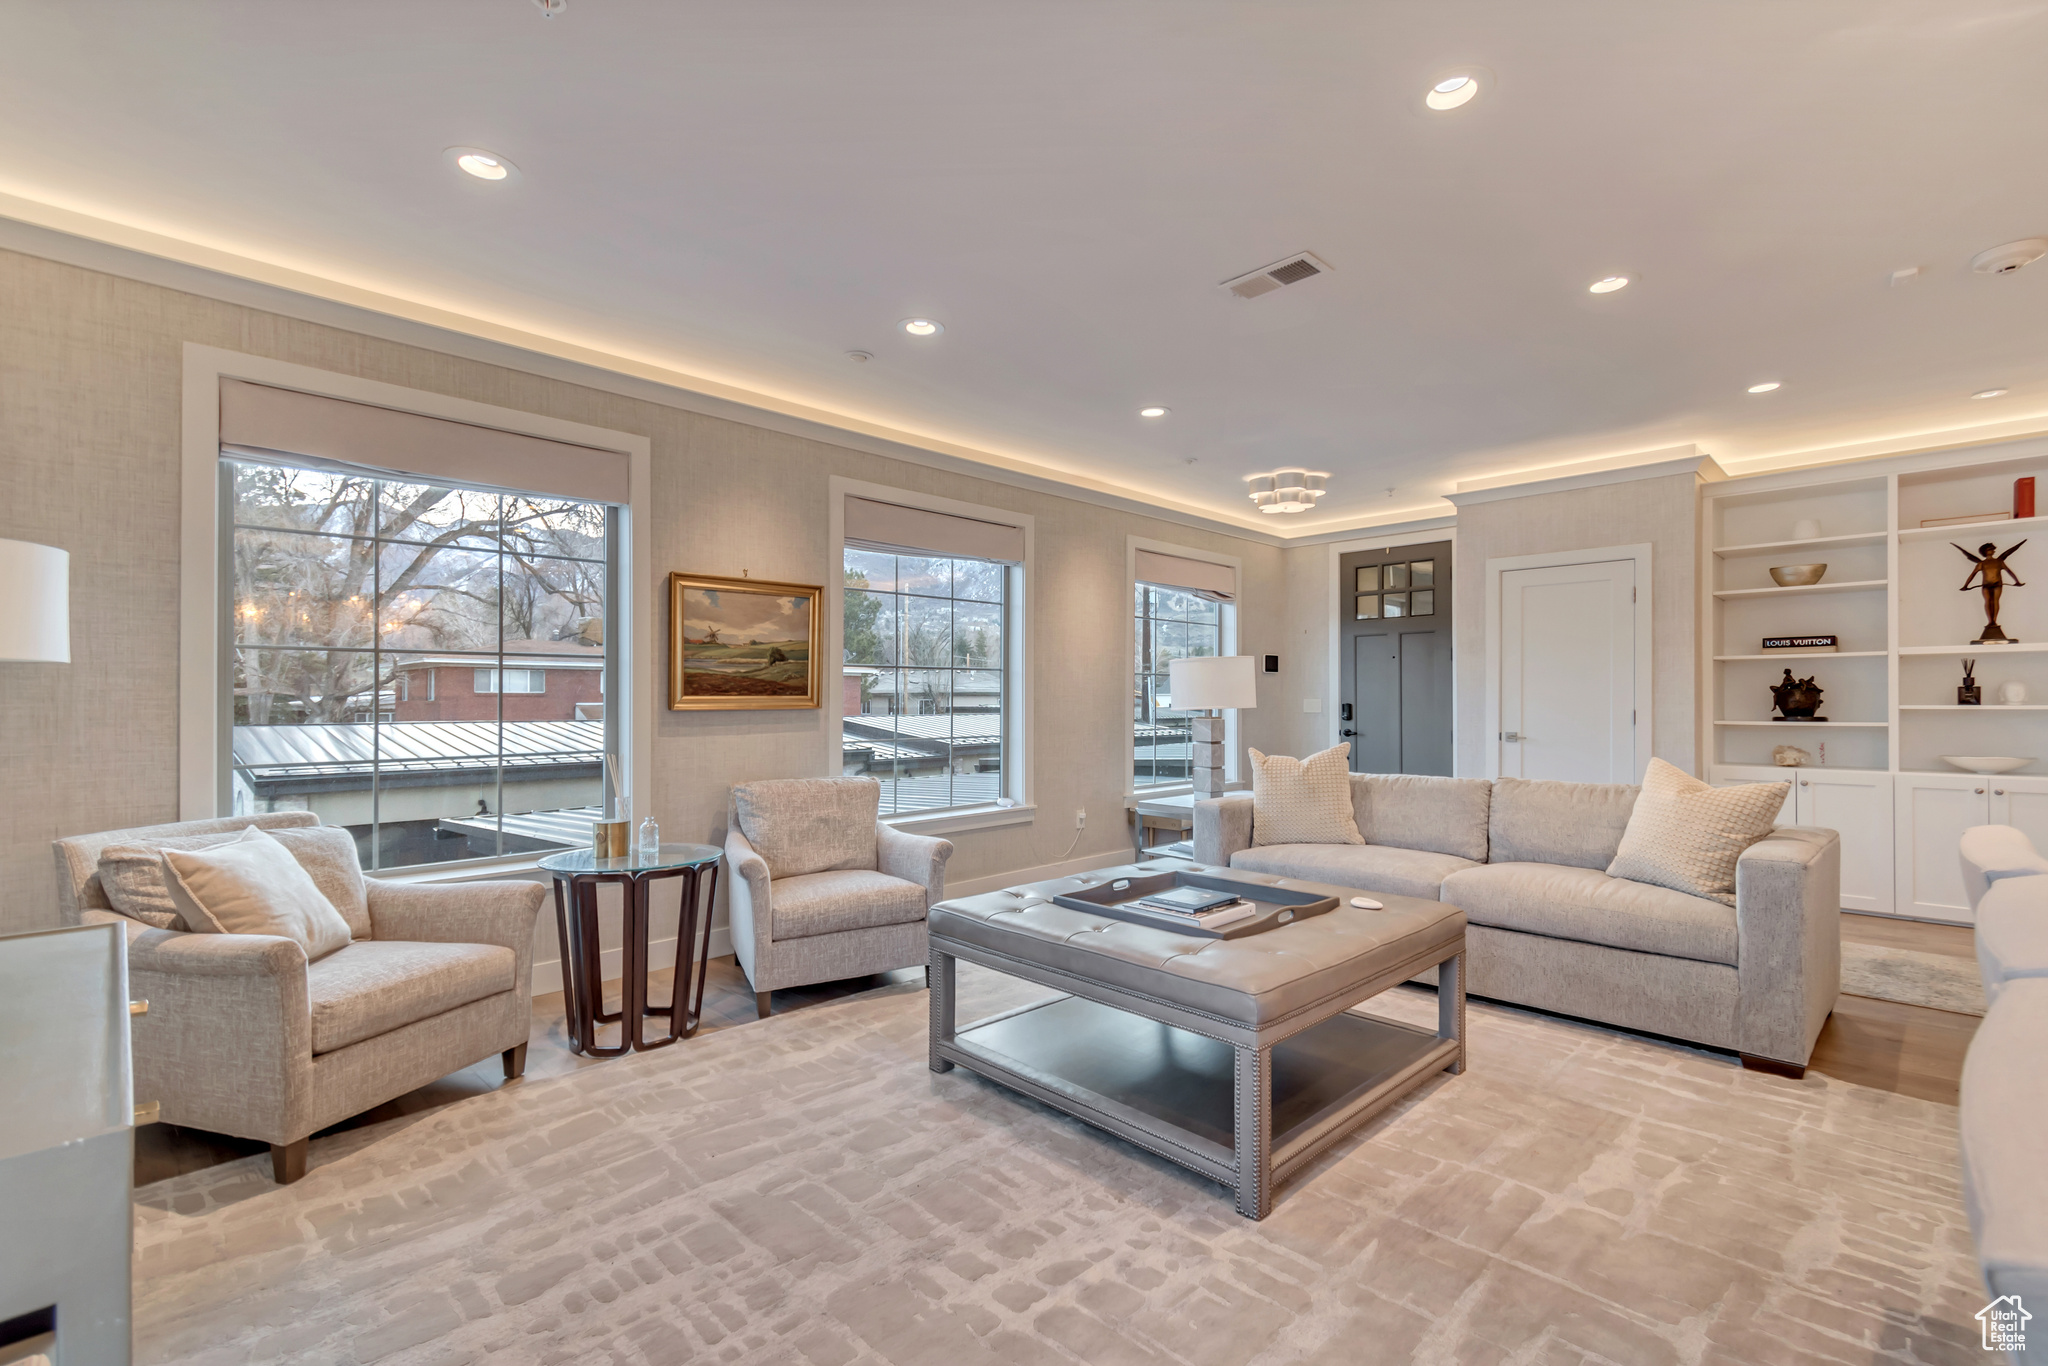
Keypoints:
(1216, 582)
(918, 531)
(266, 422)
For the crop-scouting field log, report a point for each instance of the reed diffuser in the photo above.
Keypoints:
(612, 837)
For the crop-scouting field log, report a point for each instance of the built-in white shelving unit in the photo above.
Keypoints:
(1891, 595)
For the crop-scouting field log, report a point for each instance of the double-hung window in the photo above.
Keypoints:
(389, 645)
(1181, 611)
(927, 684)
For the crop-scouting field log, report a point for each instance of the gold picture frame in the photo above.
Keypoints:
(743, 644)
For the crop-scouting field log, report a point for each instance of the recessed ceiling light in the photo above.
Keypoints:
(1451, 92)
(483, 165)
(1765, 387)
(1608, 285)
(1154, 411)
(922, 327)
(1988, 393)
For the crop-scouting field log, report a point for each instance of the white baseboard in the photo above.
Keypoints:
(547, 977)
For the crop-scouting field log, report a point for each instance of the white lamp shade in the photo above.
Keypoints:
(1212, 683)
(35, 604)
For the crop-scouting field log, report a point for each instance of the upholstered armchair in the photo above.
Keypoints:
(244, 1037)
(821, 888)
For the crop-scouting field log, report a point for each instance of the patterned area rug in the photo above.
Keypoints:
(804, 1191)
(1913, 978)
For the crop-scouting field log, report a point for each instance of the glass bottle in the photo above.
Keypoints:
(649, 845)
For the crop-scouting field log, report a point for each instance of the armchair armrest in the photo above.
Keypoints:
(749, 908)
(914, 858)
(1223, 826)
(1788, 927)
(499, 913)
(227, 1043)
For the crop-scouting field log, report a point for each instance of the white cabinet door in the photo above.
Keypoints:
(1858, 807)
(2023, 804)
(1933, 812)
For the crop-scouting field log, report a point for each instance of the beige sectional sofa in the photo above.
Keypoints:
(1548, 928)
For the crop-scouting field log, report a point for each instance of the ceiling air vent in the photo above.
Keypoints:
(1266, 279)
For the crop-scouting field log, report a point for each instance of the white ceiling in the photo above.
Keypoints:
(745, 191)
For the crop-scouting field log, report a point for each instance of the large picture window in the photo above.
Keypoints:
(1171, 624)
(925, 682)
(421, 663)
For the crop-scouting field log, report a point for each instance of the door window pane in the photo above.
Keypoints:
(1422, 574)
(1368, 607)
(1422, 603)
(1394, 604)
(1368, 579)
(1397, 577)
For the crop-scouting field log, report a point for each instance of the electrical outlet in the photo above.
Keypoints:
(1080, 818)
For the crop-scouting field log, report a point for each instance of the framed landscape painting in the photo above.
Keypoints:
(742, 644)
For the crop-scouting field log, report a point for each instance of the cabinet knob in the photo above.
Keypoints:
(1803, 782)
(1980, 791)
(1998, 792)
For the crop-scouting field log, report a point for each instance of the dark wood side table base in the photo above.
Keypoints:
(583, 964)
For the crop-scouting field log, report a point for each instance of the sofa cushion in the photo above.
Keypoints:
(1686, 835)
(848, 899)
(2012, 932)
(1993, 852)
(253, 885)
(1369, 867)
(2004, 1112)
(1409, 811)
(1576, 824)
(373, 988)
(810, 825)
(132, 873)
(1589, 907)
(1303, 801)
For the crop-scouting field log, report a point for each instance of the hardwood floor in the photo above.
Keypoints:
(1908, 1049)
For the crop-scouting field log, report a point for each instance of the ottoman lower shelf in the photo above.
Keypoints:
(1172, 1092)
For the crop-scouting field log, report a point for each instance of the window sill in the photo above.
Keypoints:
(525, 867)
(964, 818)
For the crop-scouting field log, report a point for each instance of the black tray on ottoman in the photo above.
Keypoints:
(1118, 896)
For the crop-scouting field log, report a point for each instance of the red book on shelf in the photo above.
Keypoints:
(2023, 497)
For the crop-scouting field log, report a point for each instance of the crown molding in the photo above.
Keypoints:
(1585, 474)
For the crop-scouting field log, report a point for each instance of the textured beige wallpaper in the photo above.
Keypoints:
(1663, 512)
(89, 458)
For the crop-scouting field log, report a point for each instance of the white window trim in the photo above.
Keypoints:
(201, 776)
(1226, 644)
(1017, 631)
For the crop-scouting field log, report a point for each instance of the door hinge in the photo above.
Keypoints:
(1631, 594)
(1631, 717)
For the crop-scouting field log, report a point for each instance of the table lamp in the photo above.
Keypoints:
(35, 604)
(1209, 685)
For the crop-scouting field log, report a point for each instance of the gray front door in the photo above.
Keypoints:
(1395, 615)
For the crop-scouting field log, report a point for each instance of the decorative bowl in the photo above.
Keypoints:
(1985, 763)
(1798, 575)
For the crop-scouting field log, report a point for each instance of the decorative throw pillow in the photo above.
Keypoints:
(1303, 801)
(810, 825)
(1686, 835)
(253, 886)
(132, 875)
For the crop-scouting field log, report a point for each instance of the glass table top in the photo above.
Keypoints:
(671, 856)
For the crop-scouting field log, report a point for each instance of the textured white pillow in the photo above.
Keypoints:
(253, 886)
(133, 876)
(1303, 801)
(1686, 835)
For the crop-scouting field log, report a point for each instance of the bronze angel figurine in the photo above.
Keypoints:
(1994, 572)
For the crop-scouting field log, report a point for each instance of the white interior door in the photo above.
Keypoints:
(1567, 672)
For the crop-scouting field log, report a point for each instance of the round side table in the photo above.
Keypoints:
(576, 874)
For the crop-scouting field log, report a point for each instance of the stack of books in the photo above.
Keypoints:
(1199, 906)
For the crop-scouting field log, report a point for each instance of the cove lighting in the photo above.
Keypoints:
(1988, 393)
(1608, 285)
(1765, 387)
(922, 327)
(1449, 94)
(1154, 411)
